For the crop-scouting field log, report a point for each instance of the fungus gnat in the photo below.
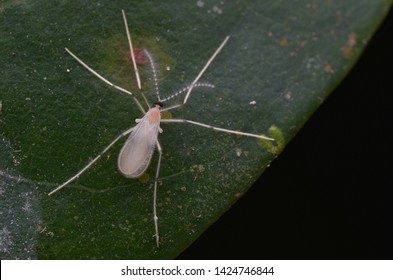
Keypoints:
(136, 154)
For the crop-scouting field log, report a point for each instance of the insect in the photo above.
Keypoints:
(136, 153)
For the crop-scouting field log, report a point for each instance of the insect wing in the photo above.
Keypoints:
(135, 156)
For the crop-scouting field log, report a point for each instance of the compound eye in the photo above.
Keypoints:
(159, 103)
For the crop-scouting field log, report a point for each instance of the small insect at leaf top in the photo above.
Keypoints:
(136, 153)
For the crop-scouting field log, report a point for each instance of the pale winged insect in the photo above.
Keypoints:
(135, 155)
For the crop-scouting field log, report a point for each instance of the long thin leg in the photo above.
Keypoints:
(138, 80)
(159, 149)
(106, 81)
(205, 67)
(92, 162)
(217, 128)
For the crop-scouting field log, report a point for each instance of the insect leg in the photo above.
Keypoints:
(138, 80)
(195, 82)
(204, 68)
(93, 161)
(217, 128)
(159, 149)
(106, 81)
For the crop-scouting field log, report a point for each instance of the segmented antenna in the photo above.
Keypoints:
(153, 68)
(183, 90)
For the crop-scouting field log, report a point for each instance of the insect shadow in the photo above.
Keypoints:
(136, 153)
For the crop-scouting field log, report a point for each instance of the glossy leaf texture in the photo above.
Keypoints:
(282, 60)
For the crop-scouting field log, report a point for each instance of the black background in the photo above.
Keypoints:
(328, 195)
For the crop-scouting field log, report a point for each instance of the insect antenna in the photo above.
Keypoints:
(183, 90)
(153, 69)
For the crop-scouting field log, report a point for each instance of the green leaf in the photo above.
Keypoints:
(282, 60)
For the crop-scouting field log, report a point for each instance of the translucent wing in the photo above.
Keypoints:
(135, 156)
